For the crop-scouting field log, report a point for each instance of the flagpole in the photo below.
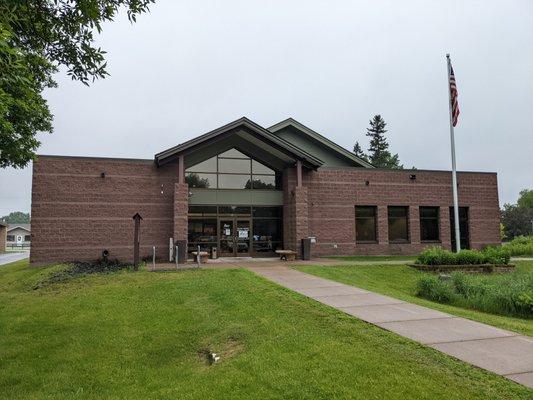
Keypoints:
(454, 172)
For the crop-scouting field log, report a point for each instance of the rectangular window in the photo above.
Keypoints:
(27, 238)
(398, 224)
(10, 238)
(365, 224)
(429, 224)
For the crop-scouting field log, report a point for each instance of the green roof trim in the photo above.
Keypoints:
(258, 130)
(320, 139)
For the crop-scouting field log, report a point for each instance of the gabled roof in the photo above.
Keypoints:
(26, 227)
(320, 139)
(251, 127)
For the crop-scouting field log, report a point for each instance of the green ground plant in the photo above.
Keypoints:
(520, 246)
(401, 282)
(145, 335)
(509, 294)
(438, 256)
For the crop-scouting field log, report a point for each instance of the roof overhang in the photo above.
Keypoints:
(317, 137)
(11, 227)
(245, 135)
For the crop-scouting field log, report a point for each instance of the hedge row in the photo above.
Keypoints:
(439, 256)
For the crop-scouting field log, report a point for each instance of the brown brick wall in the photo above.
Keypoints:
(333, 194)
(76, 213)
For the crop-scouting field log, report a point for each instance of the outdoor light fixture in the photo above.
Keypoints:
(367, 183)
(412, 177)
(102, 175)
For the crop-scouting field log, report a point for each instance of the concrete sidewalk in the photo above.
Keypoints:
(502, 352)
(9, 257)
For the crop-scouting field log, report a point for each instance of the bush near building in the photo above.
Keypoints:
(520, 246)
(510, 295)
(439, 256)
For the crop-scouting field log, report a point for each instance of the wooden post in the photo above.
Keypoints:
(137, 218)
(181, 169)
(298, 173)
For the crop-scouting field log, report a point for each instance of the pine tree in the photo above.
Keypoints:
(379, 155)
(358, 151)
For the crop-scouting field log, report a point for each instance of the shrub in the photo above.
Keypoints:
(435, 256)
(520, 246)
(439, 256)
(433, 288)
(510, 294)
(496, 255)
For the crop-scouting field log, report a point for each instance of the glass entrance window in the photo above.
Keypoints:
(243, 237)
(227, 244)
(232, 169)
(236, 230)
(203, 233)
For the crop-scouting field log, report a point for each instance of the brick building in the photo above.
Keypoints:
(247, 191)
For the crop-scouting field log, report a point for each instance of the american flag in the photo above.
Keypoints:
(453, 97)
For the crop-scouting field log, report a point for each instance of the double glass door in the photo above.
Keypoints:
(234, 237)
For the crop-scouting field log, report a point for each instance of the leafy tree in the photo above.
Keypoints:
(36, 37)
(526, 199)
(17, 217)
(194, 181)
(358, 151)
(517, 220)
(379, 155)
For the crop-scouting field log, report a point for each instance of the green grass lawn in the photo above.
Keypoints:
(374, 258)
(399, 281)
(141, 335)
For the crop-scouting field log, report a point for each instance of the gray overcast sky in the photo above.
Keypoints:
(188, 67)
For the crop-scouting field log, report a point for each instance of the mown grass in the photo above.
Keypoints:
(142, 335)
(374, 258)
(400, 281)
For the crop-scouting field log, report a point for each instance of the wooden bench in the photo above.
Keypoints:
(287, 255)
(204, 255)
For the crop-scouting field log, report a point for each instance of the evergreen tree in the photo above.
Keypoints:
(379, 155)
(358, 151)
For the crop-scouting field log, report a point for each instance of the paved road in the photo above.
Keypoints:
(502, 352)
(9, 257)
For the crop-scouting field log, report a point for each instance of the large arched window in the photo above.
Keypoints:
(232, 170)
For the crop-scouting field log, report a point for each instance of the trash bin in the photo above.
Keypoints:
(306, 249)
(182, 251)
(214, 254)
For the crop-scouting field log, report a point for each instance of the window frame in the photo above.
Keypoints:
(407, 225)
(252, 176)
(420, 218)
(376, 234)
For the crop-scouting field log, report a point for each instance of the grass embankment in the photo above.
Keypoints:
(143, 335)
(400, 281)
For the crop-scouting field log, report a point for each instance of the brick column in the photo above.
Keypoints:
(414, 224)
(181, 209)
(445, 228)
(301, 216)
(383, 225)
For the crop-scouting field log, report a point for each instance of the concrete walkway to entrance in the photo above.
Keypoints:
(502, 352)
